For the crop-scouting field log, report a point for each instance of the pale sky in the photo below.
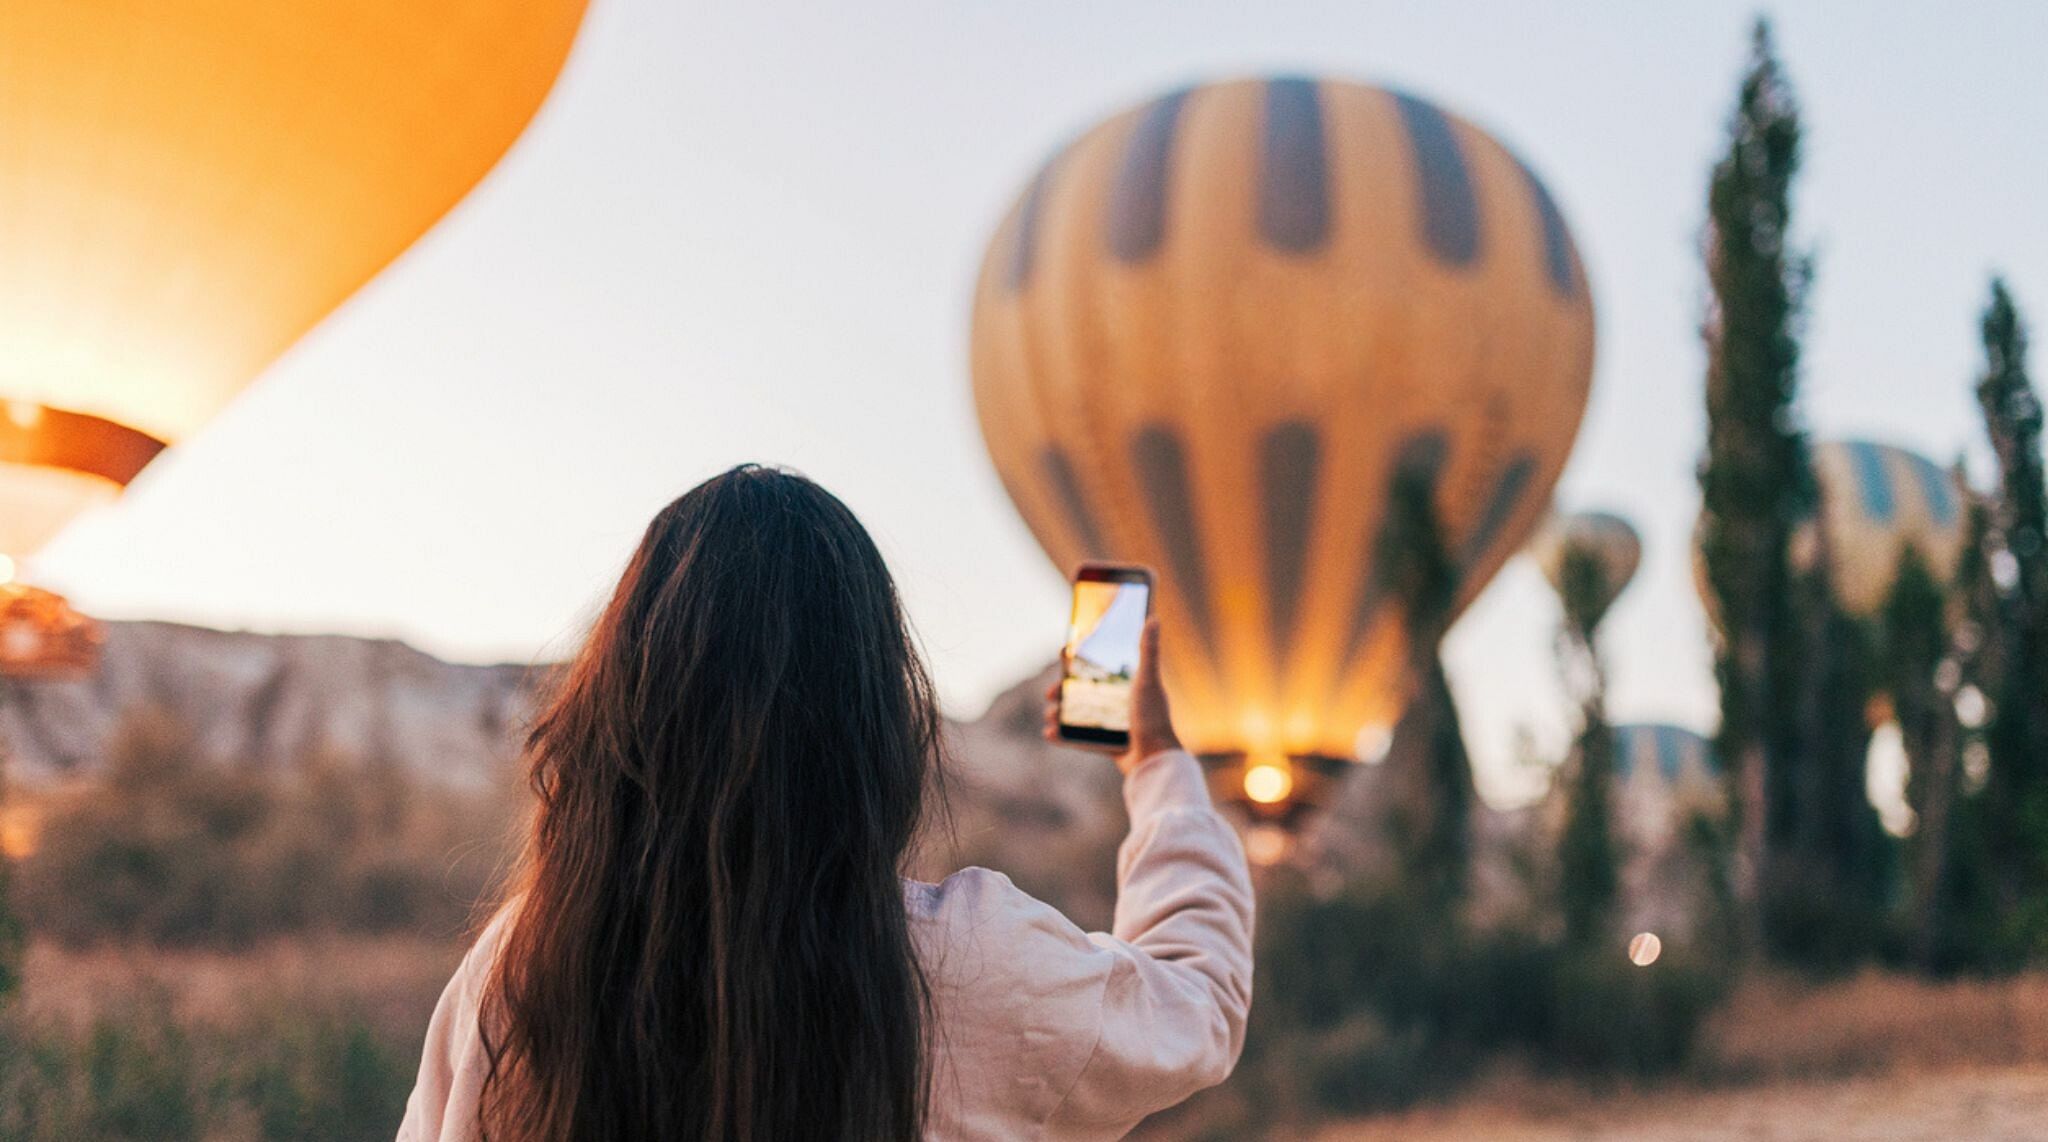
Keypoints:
(1113, 643)
(748, 231)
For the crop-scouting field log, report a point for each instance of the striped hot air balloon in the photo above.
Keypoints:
(187, 188)
(1216, 328)
(1663, 755)
(1877, 501)
(1665, 778)
(1609, 539)
(1663, 774)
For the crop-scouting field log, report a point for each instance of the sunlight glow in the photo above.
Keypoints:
(1268, 784)
(24, 414)
(19, 833)
(1373, 743)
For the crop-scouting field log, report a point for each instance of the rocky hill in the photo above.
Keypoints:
(1050, 817)
(272, 700)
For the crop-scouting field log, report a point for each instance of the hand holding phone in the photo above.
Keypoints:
(1109, 695)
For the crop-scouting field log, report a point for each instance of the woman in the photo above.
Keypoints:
(709, 937)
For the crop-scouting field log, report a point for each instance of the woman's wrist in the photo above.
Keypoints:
(1165, 778)
(1150, 745)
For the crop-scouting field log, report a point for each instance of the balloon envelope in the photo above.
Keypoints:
(1877, 501)
(188, 187)
(1216, 328)
(1609, 539)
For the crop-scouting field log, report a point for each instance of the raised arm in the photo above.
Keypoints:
(1179, 989)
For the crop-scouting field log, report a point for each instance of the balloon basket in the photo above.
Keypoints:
(42, 637)
(1271, 816)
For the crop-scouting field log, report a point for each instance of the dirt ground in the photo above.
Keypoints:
(1874, 1058)
(1092, 703)
(1983, 1105)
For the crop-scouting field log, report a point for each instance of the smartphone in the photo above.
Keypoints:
(1111, 603)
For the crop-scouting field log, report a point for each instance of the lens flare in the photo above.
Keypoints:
(1374, 742)
(1267, 845)
(24, 414)
(1644, 949)
(1268, 784)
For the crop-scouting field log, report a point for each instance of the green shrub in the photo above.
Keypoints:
(1369, 1001)
(138, 1074)
(1609, 1016)
(174, 849)
(141, 1082)
(328, 1081)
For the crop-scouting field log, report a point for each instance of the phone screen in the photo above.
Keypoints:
(1102, 658)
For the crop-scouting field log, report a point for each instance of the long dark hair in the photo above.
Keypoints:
(709, 939)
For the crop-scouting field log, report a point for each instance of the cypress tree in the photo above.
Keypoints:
(1979, 917)
(1835, 871)
(1588, 860)
(1755, 482)
(1916, 647)
(1429, 768)
(2016, 794)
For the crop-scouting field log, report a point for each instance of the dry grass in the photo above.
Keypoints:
(1996, 1105)
(391, 982)
(1776, 1028)
(1874, 1057)
(1877, 1057)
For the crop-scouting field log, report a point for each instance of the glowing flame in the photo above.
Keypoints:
(6, 570)
(1268, 784)
(19, 834)
(1644, 949)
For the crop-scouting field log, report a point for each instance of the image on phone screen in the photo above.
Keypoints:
(1102, 657)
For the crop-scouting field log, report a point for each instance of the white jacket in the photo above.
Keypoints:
(1043, 1031)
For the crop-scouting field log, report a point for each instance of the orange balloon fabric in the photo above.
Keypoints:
(1212, 331)
(187, 187)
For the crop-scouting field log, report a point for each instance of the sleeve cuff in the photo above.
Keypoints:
(1169, 779)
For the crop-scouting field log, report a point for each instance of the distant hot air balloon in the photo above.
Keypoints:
(1876, 502)
(1668, 756)
(186, 189)
(1662, 775)
(1216, 328)
(1608, 538)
